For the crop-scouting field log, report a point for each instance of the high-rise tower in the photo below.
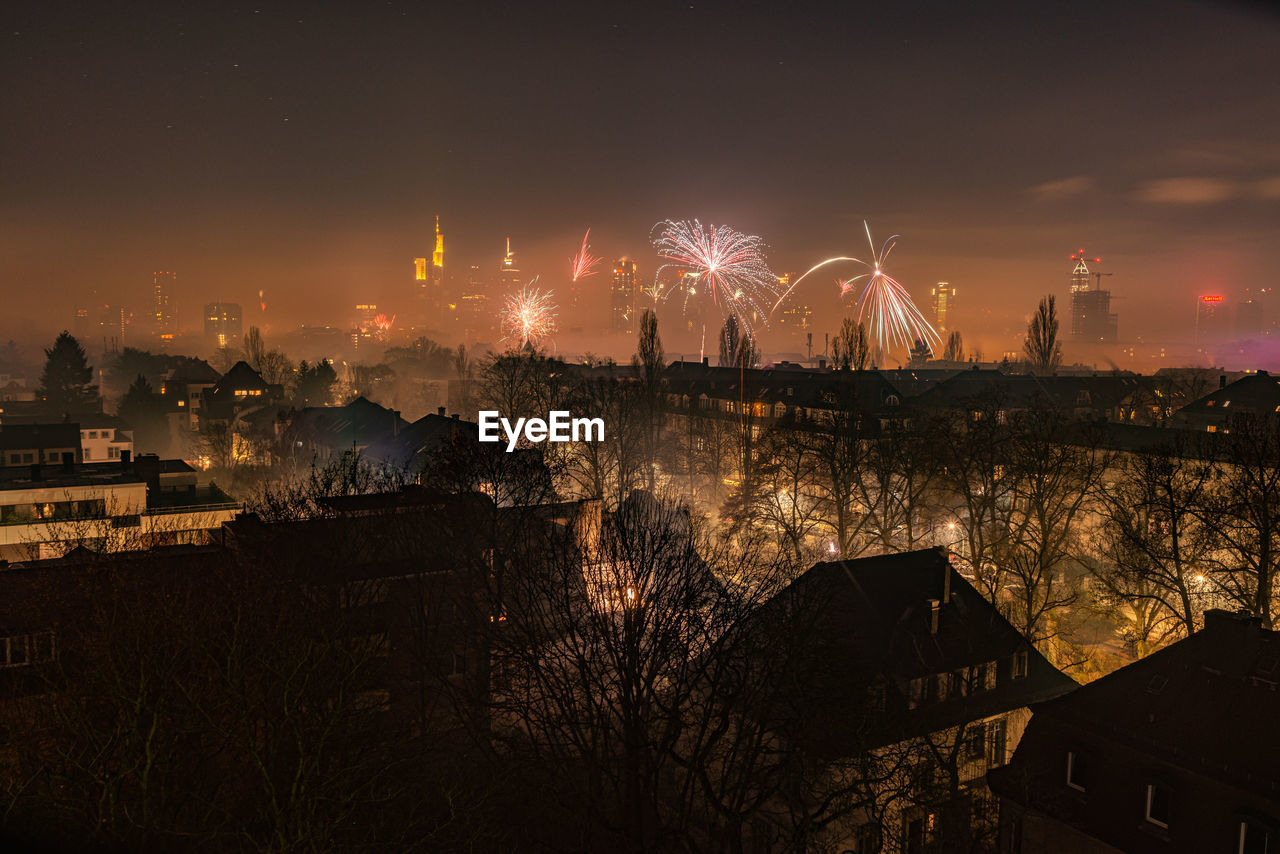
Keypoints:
(623, 296)
(943, 296)
(162, 320)
(509, 273)
(1091, 317)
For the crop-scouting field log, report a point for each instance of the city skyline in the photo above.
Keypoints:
(252, 152)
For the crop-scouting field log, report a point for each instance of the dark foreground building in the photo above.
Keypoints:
(1178, 752)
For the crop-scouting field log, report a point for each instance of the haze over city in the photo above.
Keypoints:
(306, 151)
(642, 428)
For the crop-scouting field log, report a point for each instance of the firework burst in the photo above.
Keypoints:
(718, 264)
(582, 264)
(529, 316)
(892, 319)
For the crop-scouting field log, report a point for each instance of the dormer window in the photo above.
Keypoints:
(1159, 801)
(1019, 664)
(1077, 771)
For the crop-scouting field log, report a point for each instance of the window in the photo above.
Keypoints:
(21, 650)
(1077, 770)
(1157, 812)
(996, 742)
(975, 742)
(1019, 664)
(1253, 838)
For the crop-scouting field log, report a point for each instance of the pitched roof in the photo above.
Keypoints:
(1257, 393)
(357, 424)
(872, 620)
(424, 436)
(1208, 703)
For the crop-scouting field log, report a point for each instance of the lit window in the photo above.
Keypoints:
(1158, 805)
(1077, 768)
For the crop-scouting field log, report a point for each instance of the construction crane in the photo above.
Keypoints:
(1099, 276)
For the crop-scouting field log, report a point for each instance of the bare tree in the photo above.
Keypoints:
(1244, 512)
(954, 351)
(1041, 347)
(850, 349)
(1154, 546)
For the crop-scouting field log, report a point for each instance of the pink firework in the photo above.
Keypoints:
(529, 316)
(581, 264)
(722, 264)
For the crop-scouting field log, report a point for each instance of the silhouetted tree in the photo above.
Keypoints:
(954, 351)
(145, 412)
(315, 383)
(649, 363)
(850, 349)
(66, 383)
(1041, 347)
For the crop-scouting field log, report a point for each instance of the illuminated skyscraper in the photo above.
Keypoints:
(223, 324)
(944, 297)
(1091, 317)
(162, 322)
(428, 275)
(1212, 323)
(623, 296)
(509, 279)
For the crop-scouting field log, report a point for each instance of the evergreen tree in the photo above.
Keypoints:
(145, 412)
(315, 383)
(66, 382)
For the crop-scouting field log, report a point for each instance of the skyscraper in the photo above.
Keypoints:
(1091, 317)
(509, 273)
(943, 297)
(162, 320)
(623, 297)
(223, 324)
(429, 278)
(1212, 321)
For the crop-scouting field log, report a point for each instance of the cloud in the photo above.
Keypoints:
(1186, 191)
(1268, 188)
(1063, 188)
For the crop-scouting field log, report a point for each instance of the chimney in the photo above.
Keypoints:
(147, 467)
(706, 361)
(1222, 381)
(822, 364)
(439, 410)
(1216, 619)
(454, 416)
(68, 462)
(935, 607)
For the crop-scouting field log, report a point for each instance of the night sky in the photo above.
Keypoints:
(306, 149)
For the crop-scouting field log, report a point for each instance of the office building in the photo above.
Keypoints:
(223, 324)
(943, 297)
(1091, 318)
(163, 325)
(623, 297)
